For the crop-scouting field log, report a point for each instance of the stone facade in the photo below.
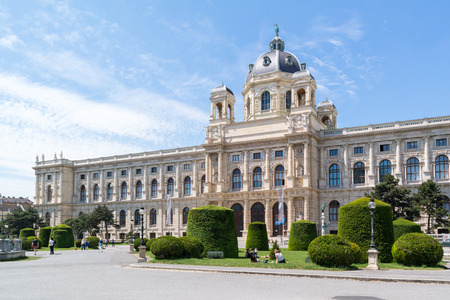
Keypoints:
(285, 141)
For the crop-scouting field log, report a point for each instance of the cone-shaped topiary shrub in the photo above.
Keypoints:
(302, 233)
(193, 247)
(137, 243)
(26, 232)
(93, 242)
(257, 236)
(62, 239)
(272, 251)
(402, 227)
(417, 249)
(354, 226)
(331, 251)
(44, 234)
(68, 240)
(167, 247)
(31, 238)
(214, 227)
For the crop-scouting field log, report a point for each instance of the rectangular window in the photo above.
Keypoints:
(334, 152)
(257, 155)
(385, 147)
(279, 153)
(138, 171)
(187, 167)
(154, 169)
(170, 168)
(109, 174)
(236, 157)
(441, 142)
(95, 176)
(202, 165)
(411, 145)
(123, 172)
(358, 150)
(49, 177)
(82, 176)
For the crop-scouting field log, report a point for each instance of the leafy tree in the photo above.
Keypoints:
(19, 219)
(429, 198)
(389, 192)
(103, 214)
(83, 223)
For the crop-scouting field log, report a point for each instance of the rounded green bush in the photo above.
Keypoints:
(331, 251)
(26, 244)
(302, 233)
(193, 247)
(357, 253)
(78, 243)
(137, 243)
(148, 244)
(355, 226)
(93, 242)
(68, 240)
(214, 226)
(31, 238)
(257, 236)
(417, 249)
(44, 234)
(402, 226)
(26, 232)
(167, 247)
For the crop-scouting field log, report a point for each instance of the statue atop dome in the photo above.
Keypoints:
(277, 30)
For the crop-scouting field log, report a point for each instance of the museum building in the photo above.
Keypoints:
(285, 141)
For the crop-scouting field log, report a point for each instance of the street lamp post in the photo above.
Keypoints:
(131, 237)
(142, 247)
(372, 252)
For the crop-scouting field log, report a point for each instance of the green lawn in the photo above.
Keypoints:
(295, 260)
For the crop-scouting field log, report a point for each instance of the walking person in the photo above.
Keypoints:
(83, 244)
(100, 246)
(87, 244)
(51, 244)
(35, 245)
(112, 242)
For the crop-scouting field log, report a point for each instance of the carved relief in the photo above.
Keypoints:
(299, 122)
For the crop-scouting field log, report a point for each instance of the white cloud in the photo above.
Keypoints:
(10, 41)
(351, 29)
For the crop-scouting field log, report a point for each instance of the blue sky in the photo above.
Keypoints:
(97, 78)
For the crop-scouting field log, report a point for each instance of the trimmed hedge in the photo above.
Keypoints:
(214, 227)
(302, 233)
(417, 249)
(26, 244)
(354, 226)
(357, 252)
(44, 234)
(61, 239)
(402, 227)
(193, 247)
(26, 232)
(68, 240)
(137, 243)
(167, 247)
(149, 243)
(257, 236)
(31, 238)
(331, 250)
(93, 242)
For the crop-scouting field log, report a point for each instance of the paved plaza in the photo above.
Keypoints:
(114, 274)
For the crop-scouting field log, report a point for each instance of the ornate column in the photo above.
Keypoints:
(60, 187)
(291, 213)
(307, 171)
(178, 184)
(55, 189)
(322, 170)
(426, 169)
(267, 172)
(290, 167)
(194, 178)
(130, 193)
(245, 181)
(161, 185)
(398, 158)
(345, 176)
(102, 186)
(371, 166)
(208, 172)
(246, 217)
(144, 184)
(220, 171)
(116, 185)
(268, 217)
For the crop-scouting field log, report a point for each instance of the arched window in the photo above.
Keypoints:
(187, 186)
(385, 167)
(137, 217)
(185, 215)
(219, 110)
(139, 189)
(109, 192)
(258, 212)
(335, 175)
(203, 180)
(301, 96)
(47, 218)
(154, 188)
(237, 182)
(334, 210)
(171, 217)
(257, 177)
(265, 101)
(279, 175)
(122, 218)
(359, 173)
(247, 107)
(170, 187)
(83, 194)
(153, 216)
(238, 218)
(288, 100)
(279, 222)
(96, 192)
(49, 194)
(412, 169)
(123, 194)
(441, 167)
(446, 203)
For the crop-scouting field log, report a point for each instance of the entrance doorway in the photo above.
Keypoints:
(238, 218)
(278, 227)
